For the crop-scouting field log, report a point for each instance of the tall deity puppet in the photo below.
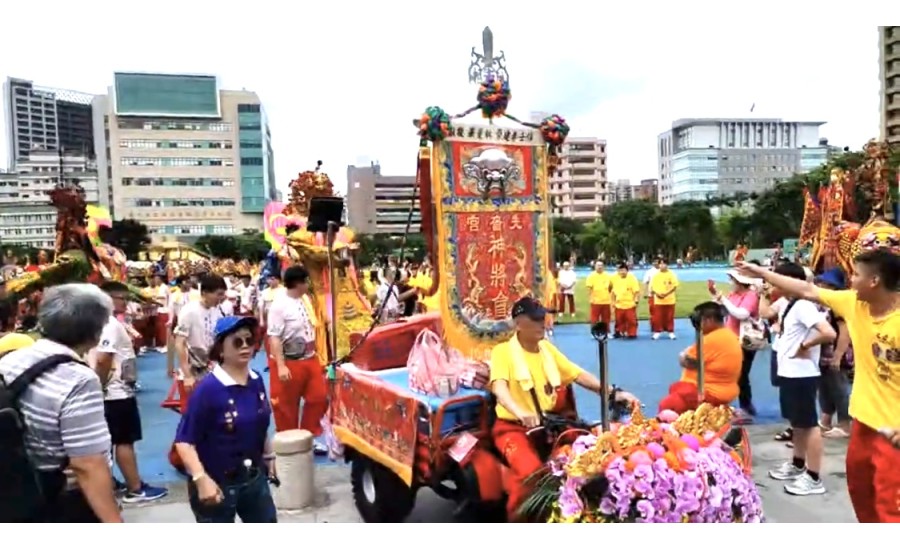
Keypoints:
(485, 207)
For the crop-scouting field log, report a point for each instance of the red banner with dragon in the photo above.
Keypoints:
(491, 188)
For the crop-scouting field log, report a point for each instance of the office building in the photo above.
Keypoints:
(647, 190)
(45, 119)
(379, 204)
(889, 71)
(621, 191)
(26, 215)
(703, 157)
(182, 156)
(578, 189)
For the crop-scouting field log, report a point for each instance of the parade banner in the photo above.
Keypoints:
(492, 204)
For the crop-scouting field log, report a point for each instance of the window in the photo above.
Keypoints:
(251, 161)
(251, 144)
(250, 126)
(248, 108)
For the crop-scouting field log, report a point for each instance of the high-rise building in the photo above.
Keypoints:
(380, 204)
(26, 215)
(182, 156)
(45, 119)
(647, 190)
(703, 157)
(889, 71)
(578, 189)
(621, 191)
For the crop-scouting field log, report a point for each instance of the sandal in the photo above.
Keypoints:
(786, 435)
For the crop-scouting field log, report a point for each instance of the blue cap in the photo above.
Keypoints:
(833, 277)
(227, 325)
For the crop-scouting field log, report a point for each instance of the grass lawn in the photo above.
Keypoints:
(689, 294)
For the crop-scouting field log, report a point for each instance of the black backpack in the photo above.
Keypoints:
(21, 488)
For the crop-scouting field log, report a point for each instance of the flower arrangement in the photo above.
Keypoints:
(434, 125)
(672, 469)
(493, 97)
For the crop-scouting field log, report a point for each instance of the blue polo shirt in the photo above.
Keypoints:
(226, 422)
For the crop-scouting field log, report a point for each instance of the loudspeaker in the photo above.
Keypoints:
(324, 210)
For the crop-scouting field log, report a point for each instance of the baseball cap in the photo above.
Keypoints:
(529, 307)
(833, 277)
(227, 325)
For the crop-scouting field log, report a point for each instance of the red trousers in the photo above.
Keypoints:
(662, 318)
(873, 476)
(523, 460)
(563, 300)
(651, 303)
(683, 397)
(307, 383)
(155, 331)
(627, 322)
(601, 312)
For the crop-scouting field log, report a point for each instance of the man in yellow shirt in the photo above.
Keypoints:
(662, 288)
(871, 311)
(599, 285)
(626, 293)
(530, 377)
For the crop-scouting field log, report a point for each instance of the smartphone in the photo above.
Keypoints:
(711, 285)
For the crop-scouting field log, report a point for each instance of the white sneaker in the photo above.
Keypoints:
(787, 472)
(671, 336)
(656, 336)
(805, 485)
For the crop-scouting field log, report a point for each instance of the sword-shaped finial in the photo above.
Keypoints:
(484, 64)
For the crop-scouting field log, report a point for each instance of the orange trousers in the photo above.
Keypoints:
(873, 476)
(511, 440)
(627, 322)
(662, 318)
(601, 312)
(307, 383)
(683, 397)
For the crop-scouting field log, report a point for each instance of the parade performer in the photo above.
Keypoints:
(871, 310)
(157, 324)
(645, 286)
(222, 438)
(722, 357)
(599, 285)
(295, 371)
(530, 377)
(194, 332)
(626, 294)
(662, 288)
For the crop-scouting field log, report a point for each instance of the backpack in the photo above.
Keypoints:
(21, 490)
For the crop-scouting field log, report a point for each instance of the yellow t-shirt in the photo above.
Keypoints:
(875, 399)
(663, 282)
(598, 285)
(501, 369)
(625, 290)
(14, 341)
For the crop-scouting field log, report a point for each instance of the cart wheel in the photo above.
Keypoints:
(380, 496)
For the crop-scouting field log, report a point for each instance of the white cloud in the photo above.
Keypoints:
(343, 80)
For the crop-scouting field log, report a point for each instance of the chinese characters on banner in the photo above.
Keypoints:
(504, 135)
(496, 252)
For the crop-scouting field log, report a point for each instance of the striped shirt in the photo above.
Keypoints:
(62, 410)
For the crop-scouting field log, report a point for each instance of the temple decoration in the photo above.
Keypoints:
(285, 230)
(651, 471)
(483, 193)
(78, 256)
(832, 225)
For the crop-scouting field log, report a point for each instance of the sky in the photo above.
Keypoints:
(342, 81)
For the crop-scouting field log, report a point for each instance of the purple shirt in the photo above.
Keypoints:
(226, 422)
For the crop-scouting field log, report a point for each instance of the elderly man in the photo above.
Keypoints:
(530, 377)
(62, 410)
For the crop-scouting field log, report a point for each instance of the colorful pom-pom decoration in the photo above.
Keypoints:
(554, 130)
(493, 97)
(434, 125)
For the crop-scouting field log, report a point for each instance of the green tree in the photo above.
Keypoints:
(218, 246)
(688, 223)
(129, 235)
(637, 227)
(564, 234)
(594, 239)
(252, 245)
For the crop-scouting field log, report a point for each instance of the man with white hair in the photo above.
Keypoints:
(61, 407)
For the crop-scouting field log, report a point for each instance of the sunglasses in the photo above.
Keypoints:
(243, 341)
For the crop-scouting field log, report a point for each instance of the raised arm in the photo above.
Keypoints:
(793, 287)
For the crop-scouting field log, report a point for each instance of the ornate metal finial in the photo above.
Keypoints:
(485, 64)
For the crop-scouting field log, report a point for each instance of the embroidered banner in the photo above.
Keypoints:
(490, 187)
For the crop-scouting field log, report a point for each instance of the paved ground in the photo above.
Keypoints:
(334, 502)
(643, 366)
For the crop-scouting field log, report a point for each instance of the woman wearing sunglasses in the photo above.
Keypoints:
(223, 435)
